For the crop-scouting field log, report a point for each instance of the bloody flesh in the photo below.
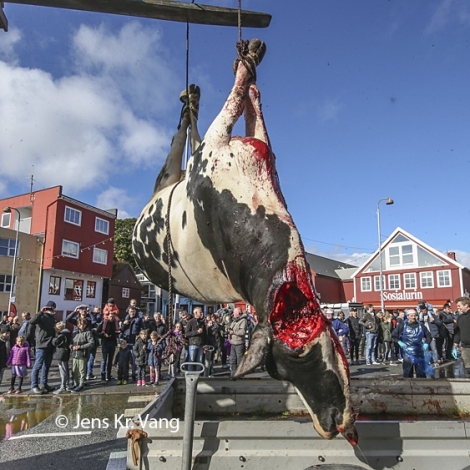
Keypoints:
(296, 319)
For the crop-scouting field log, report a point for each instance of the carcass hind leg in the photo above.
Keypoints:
(254, 120)
(171, 170)
(220, 131)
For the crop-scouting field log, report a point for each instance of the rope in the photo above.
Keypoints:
(239, 20)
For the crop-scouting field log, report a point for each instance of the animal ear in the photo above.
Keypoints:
(260, 345)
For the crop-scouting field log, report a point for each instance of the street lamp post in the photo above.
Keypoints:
(8, 210)
(389, 202)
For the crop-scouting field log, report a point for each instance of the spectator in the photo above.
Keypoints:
(175, 359)
(27, 330)
(62, 343)
(140, 355)
(131, 327)
(45, 333)
(196, 333)
(462, 332)
(138, 311)
(106, 330)
(410, 335)
(155, 350)
(434, 325)
(371, 325)
(386, 328)
(447, 318)
(355, 334)
(82, 342)
(4, 348)
(20, 360)
(237, 332)
(123, 360)
(14, 329)
(111, 307)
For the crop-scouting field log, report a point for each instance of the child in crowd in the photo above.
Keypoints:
(155, 350)
(122, 360)
(175, 358)
(62, 344)
(82, 342)
(4, 349)
(140, 354)
(20, 360)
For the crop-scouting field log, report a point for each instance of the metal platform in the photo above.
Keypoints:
(232, 438)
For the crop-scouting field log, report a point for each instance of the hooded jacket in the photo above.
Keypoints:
(20, 356)
(62, 343)
(84, 339)
(238, 327)
(45, 329)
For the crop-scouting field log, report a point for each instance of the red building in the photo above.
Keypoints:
(78, 245)
(411, 271)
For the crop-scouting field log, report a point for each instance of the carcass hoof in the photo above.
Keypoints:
(251, 53)
(193, 102)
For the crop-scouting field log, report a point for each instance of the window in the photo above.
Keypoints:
(444, 279)
(126, 292)
(73, 289)
(377, 282)
(90, 289)
(426, 279)
(73, 216)
(365, 284)
(410, 280)
(6, 220)
(100, 256)
(394, 281)
(5, 283)
(400, 255)
(7, 247)
(54, 285)
(70, 249)
(101, 226)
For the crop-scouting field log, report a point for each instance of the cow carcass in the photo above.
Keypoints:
(232, 238)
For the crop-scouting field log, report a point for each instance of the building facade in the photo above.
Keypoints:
(27, 276)
(412, 271)
(77, 245)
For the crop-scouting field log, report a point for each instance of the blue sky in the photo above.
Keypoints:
(362, 99)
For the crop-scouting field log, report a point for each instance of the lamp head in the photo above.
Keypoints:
(7, 210)
(389, 201)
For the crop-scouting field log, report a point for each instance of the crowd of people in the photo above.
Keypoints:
(136, 346)
(421, 338)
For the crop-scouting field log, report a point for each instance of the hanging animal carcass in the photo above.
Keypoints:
(232, 238)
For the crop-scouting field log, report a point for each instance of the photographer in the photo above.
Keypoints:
(45, 333)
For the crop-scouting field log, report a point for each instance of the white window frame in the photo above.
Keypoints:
(68, 254)
(74, 210)
(369, 279)
(400, 246)
(444, 272)
(412, 276)
(97, 220)
(126, 292)
(377, 283)
(421, 276)
(6, 216)
(97, 253)
(395, 277)
(11, 247)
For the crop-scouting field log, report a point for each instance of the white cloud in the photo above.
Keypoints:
(88, 123)
(117, 198)
(449, 12)
(329, 110)
(462, 257)
(8, 43)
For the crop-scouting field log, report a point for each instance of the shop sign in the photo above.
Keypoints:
(403, 295)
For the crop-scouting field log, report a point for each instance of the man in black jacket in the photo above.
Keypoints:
(462, 332)
(45, 333)
(196, 333)
(355, 335)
